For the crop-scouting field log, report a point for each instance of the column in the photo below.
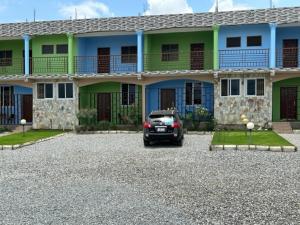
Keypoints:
(140, 51)
(144, 102)
(70, 54)
(216, 29)
(272, 45)
(26, 54)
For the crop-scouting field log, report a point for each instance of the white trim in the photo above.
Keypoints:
(229, 87)
(44, 83)
(246, 86)
(65, 98)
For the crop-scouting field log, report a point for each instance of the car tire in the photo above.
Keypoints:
(146, 143)
(180, 142)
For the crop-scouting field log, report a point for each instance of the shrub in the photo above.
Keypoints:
(87, 116)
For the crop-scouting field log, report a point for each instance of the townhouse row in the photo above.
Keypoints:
(230, 63)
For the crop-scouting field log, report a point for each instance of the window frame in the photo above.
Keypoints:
(53, 52)
(193, 93)
(229, 80)
(128, 94)
(254, 36)
(4, 62)
(233, 38)
(65, 86)
(167, 54)
(129, 56)
(11, 100)
(246, 86)
(61, 53)
(44, 83)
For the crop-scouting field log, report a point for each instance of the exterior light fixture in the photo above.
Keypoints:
(250, 127)
(23, 123)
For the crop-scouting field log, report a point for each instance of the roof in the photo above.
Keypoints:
(288, 15)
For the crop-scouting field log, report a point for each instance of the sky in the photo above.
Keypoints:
(22, 10)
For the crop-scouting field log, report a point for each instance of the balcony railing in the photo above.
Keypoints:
(195, 60)
(287, 58)
(244, 58)
(11, 66)
(49, 65)
(105, 64)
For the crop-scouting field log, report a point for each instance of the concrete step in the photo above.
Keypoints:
(282, 127)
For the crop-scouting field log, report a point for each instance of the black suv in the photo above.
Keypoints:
(163, 125)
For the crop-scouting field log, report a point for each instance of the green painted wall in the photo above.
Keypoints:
(295, 82)
(17, 47)
(88, 99)
(153, 43)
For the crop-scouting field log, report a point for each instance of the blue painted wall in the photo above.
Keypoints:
(286, 33)
(249, 59)
(88, 46)
(153, 95)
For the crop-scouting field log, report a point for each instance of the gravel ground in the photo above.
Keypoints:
(113, 179)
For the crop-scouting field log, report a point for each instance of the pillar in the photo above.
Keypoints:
(144, 102)
(140, 51)
(272, 45)
(26, 54)
(70, 54)
(216, 29)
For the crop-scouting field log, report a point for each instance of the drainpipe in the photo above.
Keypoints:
(144, 102)
(70, 53)
(216, 29)
(140, 51)
(26, 54)
(272, 63)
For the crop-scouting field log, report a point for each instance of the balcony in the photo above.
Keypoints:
(105, 64)
(195, 60)
(244, 59)
(287, 58)
(10, 66)
(49, 65)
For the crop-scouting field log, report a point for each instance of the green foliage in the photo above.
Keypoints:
(87, 117)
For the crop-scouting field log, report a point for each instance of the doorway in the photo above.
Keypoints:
(290, 53)
(103, 60)
(167, 99)
(288, 103)
(104, 107)
(197, 56)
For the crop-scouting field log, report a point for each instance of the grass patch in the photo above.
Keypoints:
(266, 138)
(32, 135)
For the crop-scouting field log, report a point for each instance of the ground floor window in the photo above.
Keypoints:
(65, 90)
(193, 93)
(44, 90)
(128, 94)
(7, 96)
(230, 87)
(255, 87)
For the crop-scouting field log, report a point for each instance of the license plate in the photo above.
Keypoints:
(161, 129)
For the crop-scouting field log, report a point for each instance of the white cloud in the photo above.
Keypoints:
(86, 9)
(229, 5)
(157, 7)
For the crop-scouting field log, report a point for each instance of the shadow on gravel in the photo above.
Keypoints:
(166, 144)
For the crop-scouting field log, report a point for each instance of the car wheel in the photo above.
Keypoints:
(180, 142)
(146, 143)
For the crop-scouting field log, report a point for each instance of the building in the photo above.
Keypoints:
(231, 63)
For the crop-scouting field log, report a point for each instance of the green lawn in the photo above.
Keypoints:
(32, 135)
(267, 138)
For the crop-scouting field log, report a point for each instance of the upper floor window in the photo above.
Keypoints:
(65, 90)
(254, 41)
(47, 49)
(44, 90)
(129, 54)
(6, 58)
(128, 94)
(62, 49)
(230, 87)
(255, 87)
(233, 42)
(193, 93)
(7, 96)
(169, 52)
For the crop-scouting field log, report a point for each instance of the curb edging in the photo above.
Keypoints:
(253, 148)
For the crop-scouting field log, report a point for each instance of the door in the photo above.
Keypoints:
(27, 107)
(290, 53)
(167, 99)
(288, 103)
(103, 60)
(104, 107)
(197, 56)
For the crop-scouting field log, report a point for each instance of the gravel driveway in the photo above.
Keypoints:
(113, 179)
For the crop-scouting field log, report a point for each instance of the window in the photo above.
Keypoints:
(233, 42)
(7, 96)
(62, 49)
(129, 54)
(255, 87)
(44, 90)
(6, 58)
(253, 41)
(65, 90)
(193, 93)
(230, 87)
(47, 49)
(128, 94)
(169, 52)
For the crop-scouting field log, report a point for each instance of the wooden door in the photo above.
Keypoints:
(197, 56)
(290, 53)
(103, 60)
(167, 99)
(27, 107)
(288, 103)
(104, 107)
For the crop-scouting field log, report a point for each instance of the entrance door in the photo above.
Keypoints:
(290, 53)
(288, 103)
(27, 107)
(167, 99)
(103, 60)
(197, 56)
(104, 107)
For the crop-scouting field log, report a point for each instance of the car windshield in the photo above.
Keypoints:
(166, 119)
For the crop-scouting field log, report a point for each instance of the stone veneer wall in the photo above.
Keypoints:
(229, 109)
(55, 113)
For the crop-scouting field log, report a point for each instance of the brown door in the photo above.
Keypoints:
(167, 99)
(290, 53)
(197, 56)
(27, 107)
(103, 60)
(288, 103)
(104, 106)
